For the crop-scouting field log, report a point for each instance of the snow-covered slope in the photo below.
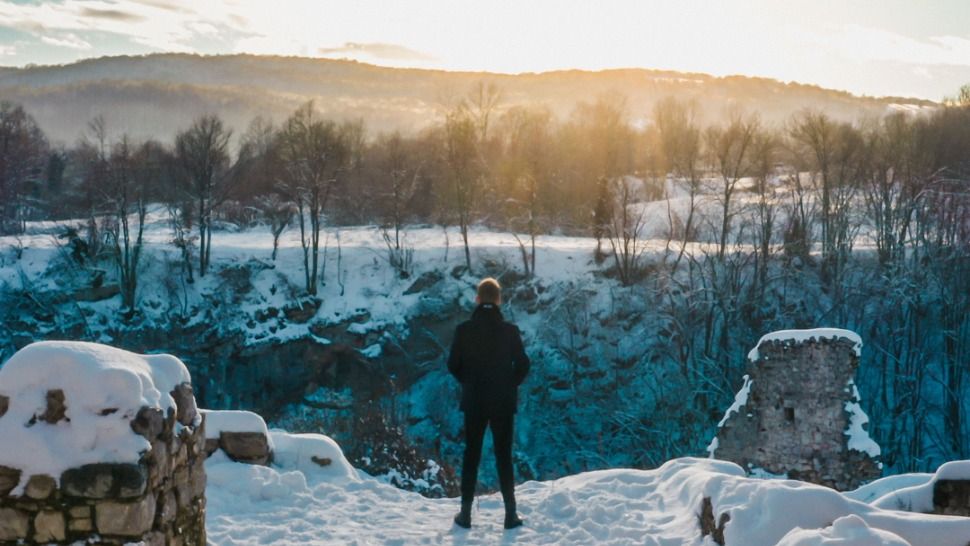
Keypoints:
(305, 504)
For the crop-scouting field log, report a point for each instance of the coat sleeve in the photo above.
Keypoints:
(520, 360)
(454, 356)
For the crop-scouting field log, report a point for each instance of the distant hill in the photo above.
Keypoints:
(155, 95)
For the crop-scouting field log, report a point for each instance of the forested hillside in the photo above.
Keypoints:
(313, 267)
(156, 95)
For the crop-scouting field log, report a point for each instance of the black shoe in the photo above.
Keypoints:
(512, 521)
(464, 517)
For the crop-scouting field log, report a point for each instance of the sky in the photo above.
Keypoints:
(888, 47)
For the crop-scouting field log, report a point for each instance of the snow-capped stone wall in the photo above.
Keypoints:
(99, 446)
(798, 413)
(242, 435)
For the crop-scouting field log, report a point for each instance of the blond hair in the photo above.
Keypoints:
(489, 291)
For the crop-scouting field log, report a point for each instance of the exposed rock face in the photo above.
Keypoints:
(56, 409)
(952, 497)
(157, 502)
(246, 447)
(796, 417)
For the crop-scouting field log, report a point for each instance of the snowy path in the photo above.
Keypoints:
(251, 505)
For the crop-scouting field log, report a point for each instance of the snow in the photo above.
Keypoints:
(740, 399)
(297, 451)
(103, 390)
(798, 336)
(954, 470)
(859, 439)
(845, 530)
(217, 422)
(297, 504)
(883, 486)
(918, 497)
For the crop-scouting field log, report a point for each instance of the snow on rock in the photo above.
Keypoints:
(249, 505)
(954, 470)
(315, 455)
(219, 421)
(844, 531)
(103, 389)
(798, 336)
(740, 399)
(883, 486)
(859, 439)
(917, 495)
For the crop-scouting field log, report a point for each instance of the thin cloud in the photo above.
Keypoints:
(70, 41)
(866, 44)
(390, 52)
(112, 14)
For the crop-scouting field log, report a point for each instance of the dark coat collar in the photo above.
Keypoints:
(487, 311)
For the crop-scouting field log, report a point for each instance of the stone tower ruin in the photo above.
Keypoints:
(798, 414)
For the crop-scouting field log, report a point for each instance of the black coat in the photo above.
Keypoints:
(489, 361)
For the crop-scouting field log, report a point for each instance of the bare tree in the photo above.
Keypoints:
(400, 177)
(203, 152)
(133, 170)
(763, 155)
(680, 138)
(461, 155)
(313, 153)
(730, 155)
(624, 230)
(482, 102)
(836, 153)
(527, 168)
(23, 153)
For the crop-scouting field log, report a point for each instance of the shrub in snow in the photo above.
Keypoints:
(798, 413)
(99, 444)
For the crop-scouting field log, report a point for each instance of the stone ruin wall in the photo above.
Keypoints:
(794, 421)
(159, 501)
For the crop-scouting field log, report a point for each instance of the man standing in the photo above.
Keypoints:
(489, 361)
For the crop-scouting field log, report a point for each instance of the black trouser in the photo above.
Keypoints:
(502, 428)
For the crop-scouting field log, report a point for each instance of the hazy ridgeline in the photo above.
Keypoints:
(798, 222)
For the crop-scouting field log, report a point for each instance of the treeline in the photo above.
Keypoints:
(762, 215)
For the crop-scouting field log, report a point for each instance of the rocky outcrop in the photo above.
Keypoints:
(951, 497)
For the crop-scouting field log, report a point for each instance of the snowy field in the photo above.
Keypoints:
(298, 503)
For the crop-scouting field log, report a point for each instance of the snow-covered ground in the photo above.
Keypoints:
(299, 503)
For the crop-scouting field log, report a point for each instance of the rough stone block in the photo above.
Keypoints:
(149, 423)
(40, 486)
(56, 407)
(49, 527)
(245, 447)
(9, 478)
(13, 524)
(80, 525)
(104, 480)
(126, 519)
(79, 512)
(184, 397)
(952, 497)
(169, 508)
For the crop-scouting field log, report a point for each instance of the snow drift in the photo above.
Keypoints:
(299, 503)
